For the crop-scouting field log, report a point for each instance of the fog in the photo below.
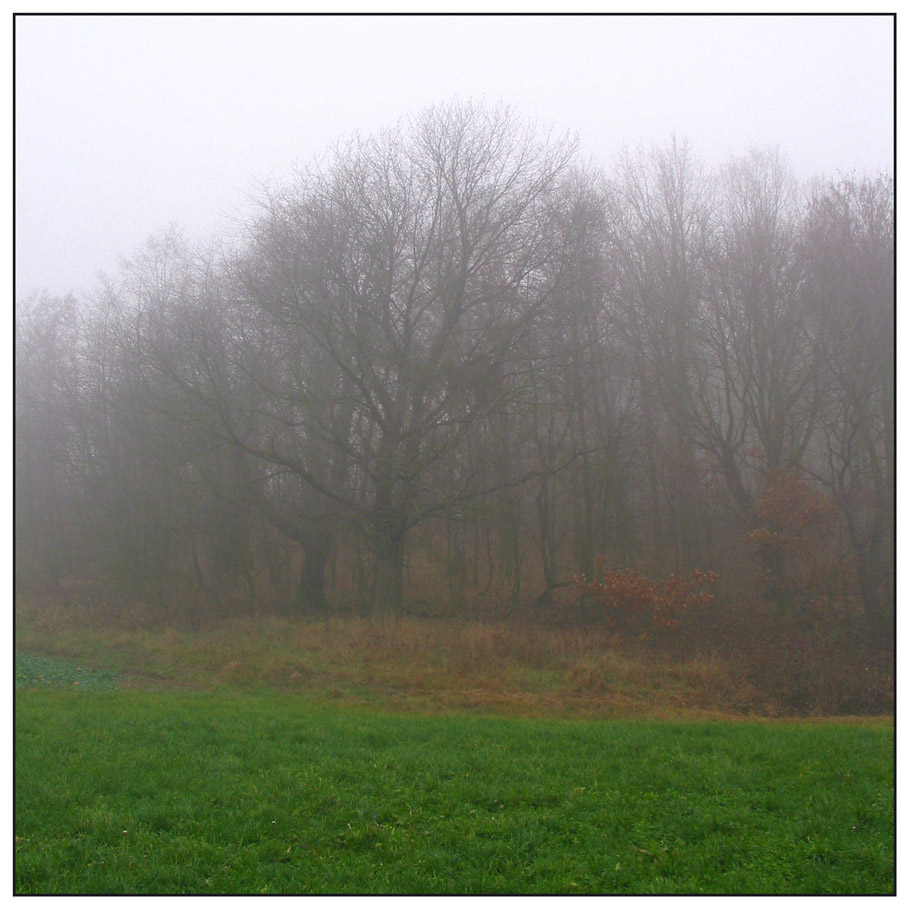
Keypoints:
(514, 370)
(581, 323)
(126, 124)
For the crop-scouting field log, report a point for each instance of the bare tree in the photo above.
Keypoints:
(661, 221)
(49, 437)
(850, 261)
(394, 283)
(449, 347)
(757, 391)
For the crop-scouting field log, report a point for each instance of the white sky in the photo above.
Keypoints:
(126, 124)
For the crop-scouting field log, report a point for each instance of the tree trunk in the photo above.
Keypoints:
(388, 586)
(316, 546)
(547, 553)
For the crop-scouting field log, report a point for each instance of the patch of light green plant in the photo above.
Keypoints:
(33, 671)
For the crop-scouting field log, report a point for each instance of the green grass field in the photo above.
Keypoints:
(265, 791)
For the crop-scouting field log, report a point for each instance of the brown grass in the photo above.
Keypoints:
(425, 664)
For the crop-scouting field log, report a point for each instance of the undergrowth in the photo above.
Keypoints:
(503, 666)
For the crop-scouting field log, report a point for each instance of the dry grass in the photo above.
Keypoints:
(423, 664)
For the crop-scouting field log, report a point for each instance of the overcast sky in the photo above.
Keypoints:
(126, 124)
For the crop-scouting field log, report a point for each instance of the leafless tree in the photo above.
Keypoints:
(850, 284)
(451, 343)
(661, 222)
(392, 284)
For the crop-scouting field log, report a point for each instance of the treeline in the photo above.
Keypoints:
(454, 364)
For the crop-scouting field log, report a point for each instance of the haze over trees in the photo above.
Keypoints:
(454, 367)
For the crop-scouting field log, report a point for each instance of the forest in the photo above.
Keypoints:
(455, 369)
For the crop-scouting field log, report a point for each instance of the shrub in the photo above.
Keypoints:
(788, 535)
(633, 601)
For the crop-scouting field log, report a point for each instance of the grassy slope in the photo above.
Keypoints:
(424, 665)
(254, 791)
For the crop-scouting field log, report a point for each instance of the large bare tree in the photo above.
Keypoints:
(391, 287)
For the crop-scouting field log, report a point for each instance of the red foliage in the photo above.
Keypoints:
(630, 597)
(790, 520)
(787, 512)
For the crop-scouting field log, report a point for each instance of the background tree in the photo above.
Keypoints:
(390, 286)
(661, 222)
(50, 427)
(757, 391)
(452, 360)
(850, 284)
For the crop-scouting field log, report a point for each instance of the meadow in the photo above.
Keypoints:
(338, 757)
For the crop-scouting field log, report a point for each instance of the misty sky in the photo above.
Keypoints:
(126, 124)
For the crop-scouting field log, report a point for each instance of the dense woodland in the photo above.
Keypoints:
(454, 367)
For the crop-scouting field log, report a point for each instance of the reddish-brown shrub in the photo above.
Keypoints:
(631, 599)
(790, 523)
